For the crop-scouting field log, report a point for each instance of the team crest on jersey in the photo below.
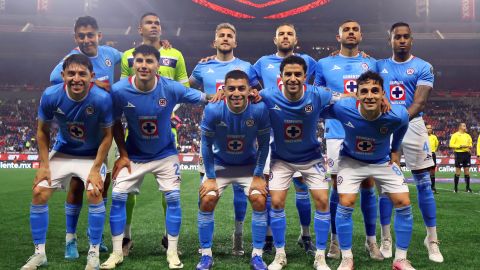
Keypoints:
(77, 131)
(349, 86)
(308, 108)
(339, 180)
(165, 61)
(397, 93)
(383, 130)
(250, 122)
(410, 71)
(330, 163)
(235, 144)
(219, 86)
(293, 130)
(148, 127)
(365, 145)
(90, 110)
(108, 62)
(365, 66)
(162, 102)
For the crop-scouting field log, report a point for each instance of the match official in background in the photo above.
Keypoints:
(433, 140)
(461, 142)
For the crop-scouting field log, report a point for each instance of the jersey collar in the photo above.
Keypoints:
(359, 112)
(80, 51)
(409, 59)
(220, 61)
(244, 109)
(131, 80)
(69, 97)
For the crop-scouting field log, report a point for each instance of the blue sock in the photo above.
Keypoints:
(72, 212)
(259, 228)
(118, 213)
(403, 227)
(96, 220)
(39, 223)
(304, 208)
(426, 201)
(239, 202)
(174, 212)
(385, 207)
(206, 225)
(278, 224)
(368, 202)
(333, 208)
(322, 226)
(268, 206)
(344, 226)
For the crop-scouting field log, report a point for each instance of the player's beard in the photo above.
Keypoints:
(225, 51)
(285, 50)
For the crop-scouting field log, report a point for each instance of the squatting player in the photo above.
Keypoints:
(210, 77)
(268, 71)
(84, 116)
(408, 81)
(365, 153)
(231, 132)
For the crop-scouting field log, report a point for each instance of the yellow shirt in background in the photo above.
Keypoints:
(433, 142)
(460, 139)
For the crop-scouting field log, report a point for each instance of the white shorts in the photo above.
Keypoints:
(333, 152)
(266, 169)
(415, 146)
(166, 171)
(313, 173)
(226, 175)
(63, 167)
(351, 173)
(111, 156)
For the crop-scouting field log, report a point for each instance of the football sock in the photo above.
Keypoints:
(432, 178)
(278, 225)
(302, 201)
(240, 207)
(259, 229)
(96, 220)
(206, 225)
(368, 202)
(118, 215)
(467, 181)
(426, 201)
(347, 253)
(400, 254)
(456, 178)
(39, 223)
(173, 218)
(130, 206)
(72, 212)
(333, 209)
(344, 225)
(385, 206)
(403, 225)
(432, 233)
(268, 206)
(322, 227)
(172, 242)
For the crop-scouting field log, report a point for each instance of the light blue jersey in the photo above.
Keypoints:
(294, 124)
(369, 141)
(148, 116)
(230, 138)
(80, 122)
(103, 64)
(400, 79)
(268, 69)
(211, 75)
(340, 73)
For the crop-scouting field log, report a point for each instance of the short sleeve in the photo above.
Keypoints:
(319, 76)
(106, 117)
(45, 110)
(197, 75)
(426, 76)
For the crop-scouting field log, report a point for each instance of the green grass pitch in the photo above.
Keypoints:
(458, 218)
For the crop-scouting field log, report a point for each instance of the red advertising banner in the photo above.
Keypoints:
(468, 10)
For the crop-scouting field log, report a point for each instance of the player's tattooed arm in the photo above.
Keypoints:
(419, 100)
(43, 139)
(123, 161)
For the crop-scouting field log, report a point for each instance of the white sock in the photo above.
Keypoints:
(280, 250)
(207, 251)
(400, 254)
(238, 227)
(347, 253)
(117, 243)
(305, 230)
(95, 248)
(432, 233)
(257, 251)
(172, 242)
(269, 231)
(386, 231)
(70, 236)
(372, 239)
(128, 231)
(40, 249)
(320, 252)
(333, 237)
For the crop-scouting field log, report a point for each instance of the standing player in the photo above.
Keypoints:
(433, 142)
(365, 153)
(147, 149)
(172, 66)
(461, 143)
(408, 81)
(230, 133)
(210, 76)
(268, 71)
(103, 58)
(84, 116)
(339, 73)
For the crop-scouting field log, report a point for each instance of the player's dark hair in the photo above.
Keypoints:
(148, 14)
(85, 21)
(370, 76)
(147, 50)
(236, 75)
(286, 24)
(79, 59)
(348, 21)
(399, 24)
(291, 60)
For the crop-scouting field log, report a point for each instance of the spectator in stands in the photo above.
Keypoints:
(461, 143)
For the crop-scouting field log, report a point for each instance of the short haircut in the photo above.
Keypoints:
(399, 24)
(147, 50)
(148, 14)
(291, 60)
(461, 123)
(85, 21)
(285, 24)
(348, 21)
(236, 74)
(370, 76)
(79, 59)
(226, 26)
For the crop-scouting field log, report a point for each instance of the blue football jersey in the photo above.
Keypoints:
(232, 137)
(80, 123)
(211, 75)
(369, 141)
(294, 124)
(148, 116)
(340, 73)
(268, 69)
(103, 64)
(401, 79)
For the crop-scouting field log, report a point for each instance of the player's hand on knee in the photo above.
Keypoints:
(259, 184)
(208, 186)
(120, 163)
(217, 97)
(43, 173)
(95, 179)
(386, 106)
(206, 59)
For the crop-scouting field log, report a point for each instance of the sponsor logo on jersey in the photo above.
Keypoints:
(293, 130)
(349, 86)
(235, 144)
(59, 111)
(349, 124)
(308, 108)
(129, 105)
(270, 66)
(410, 71)
(384, 71)
(148, 127)
(162, 102)
(365, 145)
(108, 63)
(90, 110)
(210, 70)
(77, 131)
(250, 122)
(397, 92)
(276, 108)
(335, 67)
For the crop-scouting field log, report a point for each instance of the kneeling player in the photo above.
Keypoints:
(230, 132)
(84, 115)
(365, 153)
